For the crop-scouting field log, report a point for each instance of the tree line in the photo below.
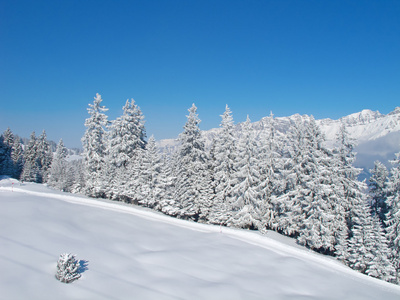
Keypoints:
(250, 179)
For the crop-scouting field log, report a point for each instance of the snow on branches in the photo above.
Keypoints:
(67, 268)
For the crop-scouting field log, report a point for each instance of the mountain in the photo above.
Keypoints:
(376, 135)
(129, 252)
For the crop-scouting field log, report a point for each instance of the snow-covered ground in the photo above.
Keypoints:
(134, 253)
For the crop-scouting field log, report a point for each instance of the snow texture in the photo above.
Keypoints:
(134, 253)
(377, 135)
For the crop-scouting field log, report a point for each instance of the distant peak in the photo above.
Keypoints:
(364, 116)
(395, 112)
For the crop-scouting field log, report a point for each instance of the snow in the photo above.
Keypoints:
(370, 129)
(135, 253)
(74, 157)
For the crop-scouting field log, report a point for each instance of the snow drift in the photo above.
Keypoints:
(134, 253)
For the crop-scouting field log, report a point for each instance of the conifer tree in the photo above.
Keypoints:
(246, 193)
(269, 160)
(378, 190)
(393, 216)
(348, 189)
(168, 204)
(368, 252)
(17, 156)
(44, 157)
(309, 207)
(223, 160)
(31, 170)
(288, 204)
(126, 140)
(94, 148)
(381, 265)
(6, 162)
(75, 180)
(191, 187)
(58, 169)
(352, 189)
(152, 179)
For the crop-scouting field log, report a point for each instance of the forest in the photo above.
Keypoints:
(294, 185)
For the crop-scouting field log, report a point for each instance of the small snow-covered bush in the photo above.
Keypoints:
(67, 268)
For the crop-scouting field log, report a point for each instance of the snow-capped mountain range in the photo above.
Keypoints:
(376, 135)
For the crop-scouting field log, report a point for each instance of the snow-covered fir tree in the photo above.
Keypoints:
(378, 190)
(167, 204)
(30, 170)
(153, 183)
(44, 157)
(37, 159)
(223, 154)
(94, 148)
(8, 137)
(126, 142)
(247, 191)
(6, 144)
(67, 268)
(58, 169)
(75, 180)
(269, 160)
(350, 191)
(191, 187)
(288, 204)
(17, 156)
(393, 216)
(368, 251)
(381, 265)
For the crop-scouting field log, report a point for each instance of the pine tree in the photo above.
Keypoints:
(368, 251)
(67, 268)
(351, 187)
(381, 265)
(31, 171)
(191, 187)
(246, 193)
(135, 177)
(75, 177)
(269, 160)
(348, 189)
(168, 204)
(44, 157)
(17, 156)
(309, 207)
(126, 140)
(288, 204)
(378, 190)
(223, 160)
(152, 179)
(318, 198)
(58, 169)
(6, 163)
(393, 216)
(94, 148)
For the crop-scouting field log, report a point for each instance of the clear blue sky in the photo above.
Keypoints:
(325, 58)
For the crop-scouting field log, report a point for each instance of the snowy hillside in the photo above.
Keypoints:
(134, 253)
(377, 136)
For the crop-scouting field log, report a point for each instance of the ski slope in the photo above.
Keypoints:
(135, 253)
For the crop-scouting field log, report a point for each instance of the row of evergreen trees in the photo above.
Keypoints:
(248, 179)
(31, 163)
(34, 161)
(255, 179)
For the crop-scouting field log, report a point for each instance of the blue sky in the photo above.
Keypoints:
(325, 58)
